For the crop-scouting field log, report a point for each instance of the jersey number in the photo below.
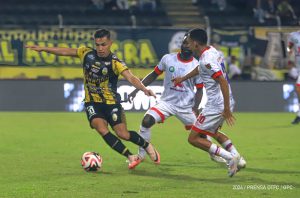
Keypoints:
(201, 118)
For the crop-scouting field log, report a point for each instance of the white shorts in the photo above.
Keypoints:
(208, 124)
(162, 110)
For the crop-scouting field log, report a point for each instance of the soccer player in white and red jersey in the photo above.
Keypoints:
(294, 59)
(179, 100)
(219, 104)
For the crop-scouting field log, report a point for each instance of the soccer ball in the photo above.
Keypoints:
(91, 161)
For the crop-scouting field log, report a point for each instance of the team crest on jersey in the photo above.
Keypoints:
(172, 69)
(104, 71)
(208, 66)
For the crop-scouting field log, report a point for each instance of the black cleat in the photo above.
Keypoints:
(297, 120)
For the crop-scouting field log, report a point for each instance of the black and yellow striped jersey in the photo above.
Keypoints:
(100, 76)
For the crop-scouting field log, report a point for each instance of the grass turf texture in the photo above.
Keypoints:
(40, 157)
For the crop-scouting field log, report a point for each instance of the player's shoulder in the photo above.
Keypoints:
(115, 58)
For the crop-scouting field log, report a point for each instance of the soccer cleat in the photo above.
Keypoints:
(296, 120)
(232, 165)
(133, 161)
(242, 164)
(153, 154)
(218, 159)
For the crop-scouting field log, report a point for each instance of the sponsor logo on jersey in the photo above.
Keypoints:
(107, 63)
(91, 56)
(114, 117)
(98, 64)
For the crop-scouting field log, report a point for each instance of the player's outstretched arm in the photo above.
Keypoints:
(136, 82)
(230, 119)
(60, 51)
(191, 74)
(146, 81)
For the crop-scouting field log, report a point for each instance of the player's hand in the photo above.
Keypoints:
(149, 92)
(131, 96)
(177, 80)
(34, 47)
(230, 119)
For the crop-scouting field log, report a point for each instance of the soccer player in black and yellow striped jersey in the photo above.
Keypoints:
(101, 69)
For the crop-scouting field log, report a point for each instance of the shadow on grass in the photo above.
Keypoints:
(164, 172)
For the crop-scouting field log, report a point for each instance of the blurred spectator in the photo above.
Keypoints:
(98, 4)
(259, 12)
(286, 12)
(111, 5)
(220, 3)
(133, 4)
(234, 70)
(147, 5)
(122, 4)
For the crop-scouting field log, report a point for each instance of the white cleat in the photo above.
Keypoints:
(242, 164)
(218, 159)
(232, 165)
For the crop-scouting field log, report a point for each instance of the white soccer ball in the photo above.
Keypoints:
(91, 161)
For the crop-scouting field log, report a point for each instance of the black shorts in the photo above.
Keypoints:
(112, 113)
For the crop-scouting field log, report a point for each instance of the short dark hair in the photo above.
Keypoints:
(198, 35)
(100, 33)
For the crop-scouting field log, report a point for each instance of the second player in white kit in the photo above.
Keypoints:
(219, 104)
(294, 56)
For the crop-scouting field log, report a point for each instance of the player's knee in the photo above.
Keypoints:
(124, 135)
(148, 121)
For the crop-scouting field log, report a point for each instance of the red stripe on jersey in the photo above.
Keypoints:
(161, 115)
(198, 86)
(188, 127)
(184, 61)
(194, 128)
(216, 74)
(157, 70)
(298, 85)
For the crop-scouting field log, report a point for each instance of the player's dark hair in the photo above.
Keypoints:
(198, 35)
(102, 33)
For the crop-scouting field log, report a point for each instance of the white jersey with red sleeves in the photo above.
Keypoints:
(181, 95)
(211, 65)
(294, 40)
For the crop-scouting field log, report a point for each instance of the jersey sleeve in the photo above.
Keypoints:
(210, 65)
(82, 51)
(161, 67)
(198, 82)
(119, 66)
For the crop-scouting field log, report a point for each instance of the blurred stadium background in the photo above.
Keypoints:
(252, 35)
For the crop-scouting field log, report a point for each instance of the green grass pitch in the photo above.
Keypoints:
(40, 157)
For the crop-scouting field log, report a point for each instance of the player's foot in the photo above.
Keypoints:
(232, 165)
(217, 159)
(153, 154)
(133, 161)
(241, 164)
(296, 120)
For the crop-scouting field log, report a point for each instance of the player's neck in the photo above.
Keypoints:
(202, 49)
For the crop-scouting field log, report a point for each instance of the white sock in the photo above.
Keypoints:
(230, 147)
(216, 150)
(146, 134)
